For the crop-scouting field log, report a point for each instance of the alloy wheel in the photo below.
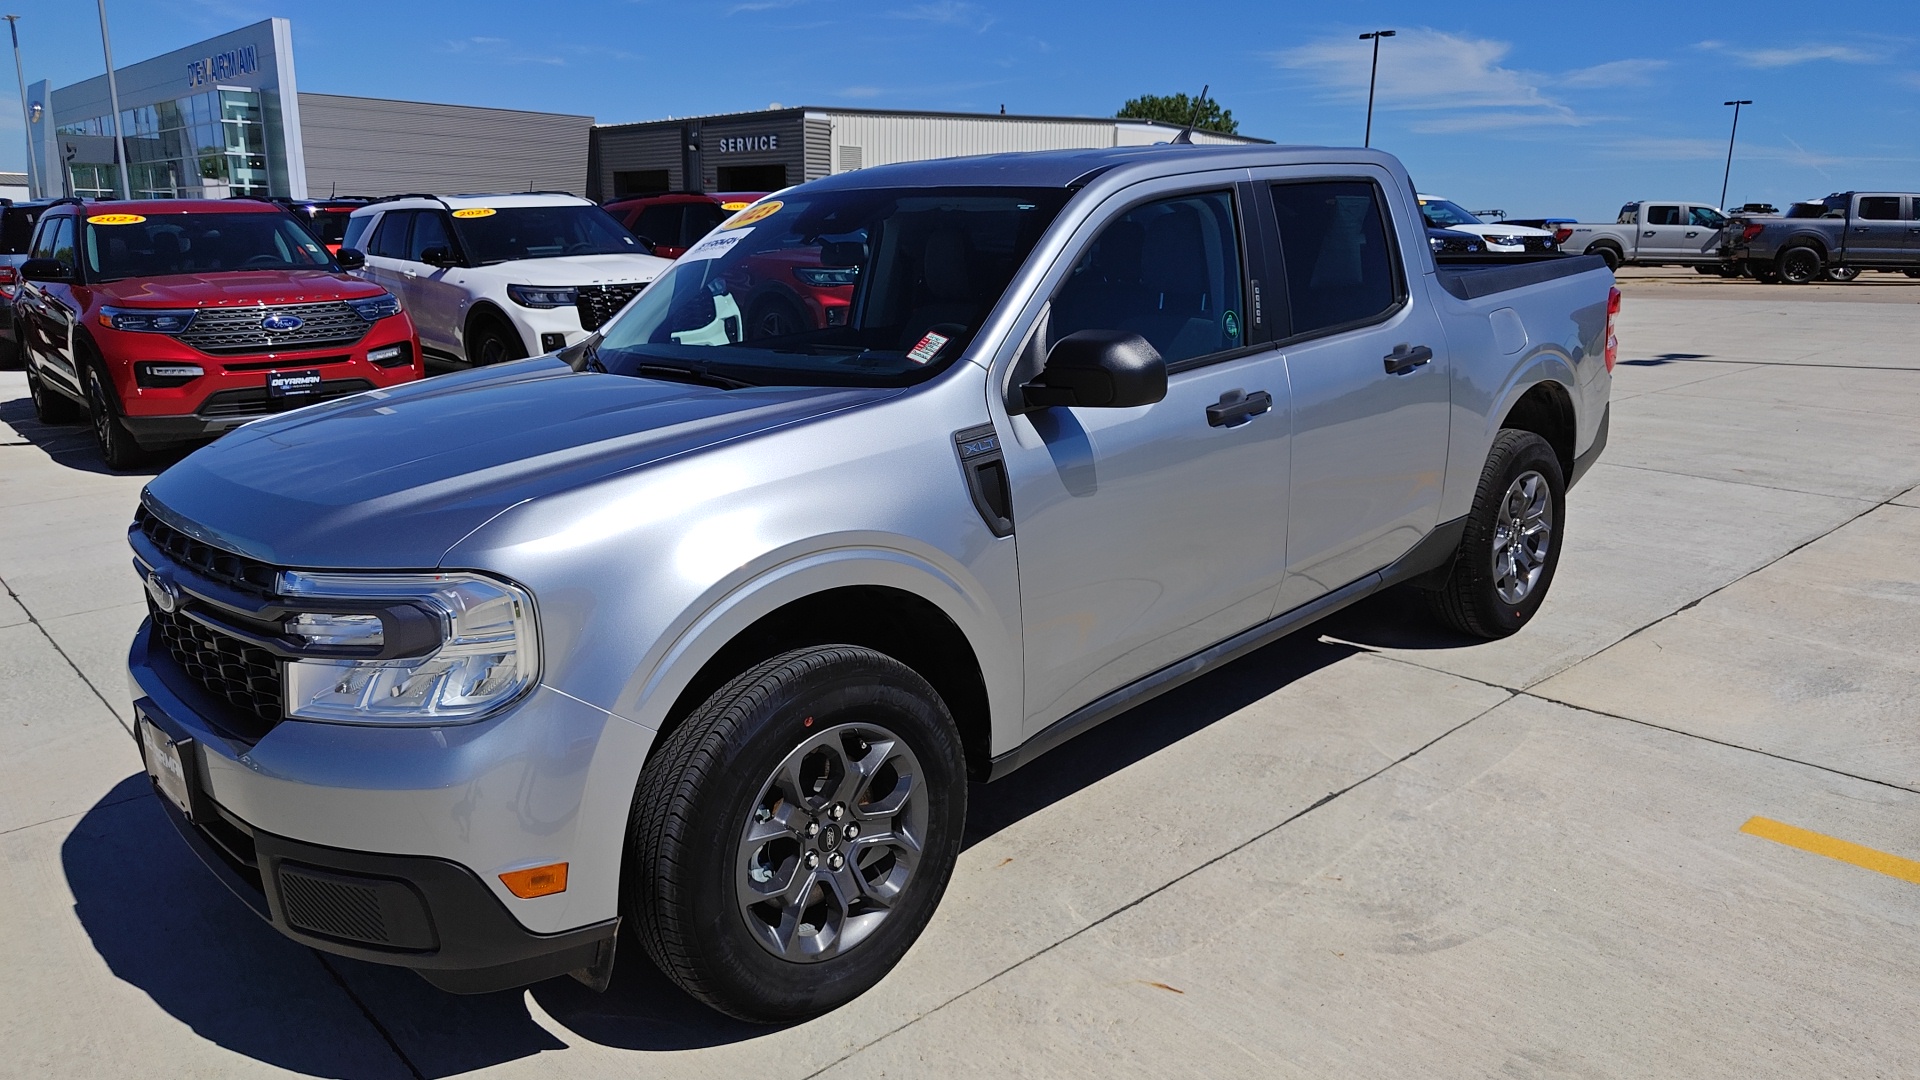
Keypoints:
(831, 843)
(1522, 537)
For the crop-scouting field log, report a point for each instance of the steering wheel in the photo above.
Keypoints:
(260, 260)
(579, 248)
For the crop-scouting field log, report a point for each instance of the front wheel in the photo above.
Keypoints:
(791, 838)
(1511, 547)
(1842, 274)
(1800, 265)
(494, 343)
(117, 447)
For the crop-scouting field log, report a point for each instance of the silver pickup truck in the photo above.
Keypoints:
(702, 633)
(1833, 238)
(1656, 232)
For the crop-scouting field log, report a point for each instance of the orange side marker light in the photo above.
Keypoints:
(538, 881)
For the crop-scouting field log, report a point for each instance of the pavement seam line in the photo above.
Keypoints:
(386, 1035)
(1163, 887)
(45, 633)
(1742, 483)
(135, 797)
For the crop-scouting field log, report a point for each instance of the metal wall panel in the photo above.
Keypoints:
(638, 146)
(884, 140)
(368, 146)
(819, 147)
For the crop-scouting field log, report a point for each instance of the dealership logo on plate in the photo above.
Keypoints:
(282, 324)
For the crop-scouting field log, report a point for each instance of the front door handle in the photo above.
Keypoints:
(1237, 407)
(1405, 358)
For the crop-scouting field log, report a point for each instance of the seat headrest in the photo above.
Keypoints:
(944, 267)
(1174, 256)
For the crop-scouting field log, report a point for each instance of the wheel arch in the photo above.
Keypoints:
(1546, 408)
(487, 309)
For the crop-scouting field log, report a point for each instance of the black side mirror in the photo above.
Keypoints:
(438, 256)
(1105, 369)
(45, 270)
(350, 258)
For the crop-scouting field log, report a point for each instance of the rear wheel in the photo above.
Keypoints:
(1511, 547)
(1799, 265)
(117, 447)
(1609, 253)
(792, 837)
(493, 342)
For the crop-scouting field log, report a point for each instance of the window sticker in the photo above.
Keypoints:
(748, 217)
(115, 219)
(475, 211)
(1230, 322)
(734, 206)
(928, 347)
(714, 246)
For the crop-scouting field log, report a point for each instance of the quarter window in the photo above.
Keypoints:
(1168, 271)
(1338, 255)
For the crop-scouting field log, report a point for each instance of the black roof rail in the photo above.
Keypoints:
(413, 195)
(74, 199)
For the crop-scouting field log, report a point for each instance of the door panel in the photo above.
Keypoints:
(1913, 231)
(1877, 233)
(1663, 231)
(1368, 374)
(434, 300)
(1151, 533)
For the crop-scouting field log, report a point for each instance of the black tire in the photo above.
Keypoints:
(1471, 600)
(1765, 275)
(1728, 270)
(776, 316)
(49, 405)
(1799, 265)
(494, 342)
(688, 850)
(1706, 269)
(10, 353)
(1842, 274)
(1912, 273)
(1609, 253)
(117, 446)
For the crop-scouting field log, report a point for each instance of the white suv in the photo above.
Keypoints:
(488, 278)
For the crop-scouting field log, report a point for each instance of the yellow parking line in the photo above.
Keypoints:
(1833, 848)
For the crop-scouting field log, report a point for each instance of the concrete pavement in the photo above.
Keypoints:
(1370, 849)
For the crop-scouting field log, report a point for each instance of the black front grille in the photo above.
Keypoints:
(221, 331)
(206, 560)
(255, 400)
(244, 676)
(598, 303)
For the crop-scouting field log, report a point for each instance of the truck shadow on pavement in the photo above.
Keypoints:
(72, 445)
(165, 925)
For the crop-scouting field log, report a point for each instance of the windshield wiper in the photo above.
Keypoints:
(688, 373)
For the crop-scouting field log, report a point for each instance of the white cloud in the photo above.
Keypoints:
(947, 13)
(1795, 55)
(1614, 73)
(1433, 71)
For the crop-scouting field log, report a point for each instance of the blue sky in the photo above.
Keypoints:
(1536, 108)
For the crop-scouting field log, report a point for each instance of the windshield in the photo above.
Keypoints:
(507, 233)
(867, 287)
(328, 226)
(120, 245)
(1442, 214)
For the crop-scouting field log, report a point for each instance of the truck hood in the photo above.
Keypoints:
(578, 269)
(235, 289)
(394, 478)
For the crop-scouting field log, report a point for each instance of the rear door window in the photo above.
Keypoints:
(1663, 215)
(1880, 207)
(1341, 268)
(390, 236)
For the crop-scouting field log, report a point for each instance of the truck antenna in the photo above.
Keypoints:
(1186, 133)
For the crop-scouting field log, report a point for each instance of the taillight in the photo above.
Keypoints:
(1750, 232)
(1562, 234)
(1613, 343)
(9, 276)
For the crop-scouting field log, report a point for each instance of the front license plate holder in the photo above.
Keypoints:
(170, 761)
(284, 384)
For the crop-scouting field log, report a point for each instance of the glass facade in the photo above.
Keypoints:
(206, 145)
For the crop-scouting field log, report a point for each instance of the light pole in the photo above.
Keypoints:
(1374, 77)
(113, 102)
(33, 170)
(1728, 175)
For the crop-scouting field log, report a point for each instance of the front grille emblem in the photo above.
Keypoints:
(282, 324)
(166, 594)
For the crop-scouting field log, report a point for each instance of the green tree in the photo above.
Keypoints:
(1177, 109)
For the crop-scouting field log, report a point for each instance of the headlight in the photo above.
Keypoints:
(486, 654)
(375, 308)
(542, 296)
(146, 320)
(820, 276)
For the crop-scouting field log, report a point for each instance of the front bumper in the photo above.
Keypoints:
(432, 915)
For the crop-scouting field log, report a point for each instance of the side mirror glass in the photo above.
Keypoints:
(350, 258)
(1102, 369)
(438, 256)
(46, 270)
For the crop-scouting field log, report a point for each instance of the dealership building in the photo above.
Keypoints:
(226, 116)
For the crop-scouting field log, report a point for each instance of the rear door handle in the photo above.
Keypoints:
(1405, 358)
(1237, 407)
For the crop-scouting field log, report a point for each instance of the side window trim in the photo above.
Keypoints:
(1403, 291)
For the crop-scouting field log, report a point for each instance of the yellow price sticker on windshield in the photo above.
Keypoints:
(732, 206)
(115, 219)
(475, 211)
(747, 217)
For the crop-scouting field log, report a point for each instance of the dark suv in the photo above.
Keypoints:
(326, 219)
(171, 321)
(16, 235)
(675, 221)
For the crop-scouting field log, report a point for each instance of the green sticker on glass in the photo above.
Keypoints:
(1230, 322)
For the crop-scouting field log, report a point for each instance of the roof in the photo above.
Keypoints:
(1060, 168)
(461, 202)
(798, 111)
(158, 207)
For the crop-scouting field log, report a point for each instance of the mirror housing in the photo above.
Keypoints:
(439, 255)
(350, 258)
(1100, 369)
(45, 270)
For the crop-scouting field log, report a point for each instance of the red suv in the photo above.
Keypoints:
(785, 292)
(173, 321)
